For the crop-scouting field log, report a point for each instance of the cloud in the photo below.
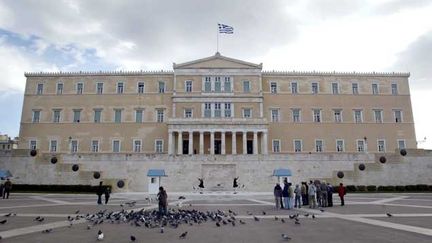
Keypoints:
(396, 6)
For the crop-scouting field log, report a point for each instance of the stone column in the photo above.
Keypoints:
(244, 142)
(255, 142)
(180, 143)
(234, 142)
(223, 142)
(190, 142)
(212, 142)
(201, 142)
(264, 143)
(170, 142)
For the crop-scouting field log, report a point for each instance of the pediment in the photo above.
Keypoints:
(217, 61)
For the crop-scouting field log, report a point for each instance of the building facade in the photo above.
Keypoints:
(216, 105)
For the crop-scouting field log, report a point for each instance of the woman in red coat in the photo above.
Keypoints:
(342, 192)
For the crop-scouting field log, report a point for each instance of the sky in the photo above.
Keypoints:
(307, 35)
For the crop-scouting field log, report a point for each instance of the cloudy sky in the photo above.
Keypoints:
(360, 35)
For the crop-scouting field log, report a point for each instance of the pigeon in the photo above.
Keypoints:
(242, 222)
(88, 226)
(162, 230)
(256, 218)
(8, 215)
(264, 213)
(183, 235)
(40, 219)
(3, 221)
(248, 213)
(297, 222)
(313, 216)
(182, 198)
(283, 220)
(389, 215)
(100, 235)
(292, 216)
(47, 231)
(132, 238)
(276, 218)
(322, 210)
(218, 224)
(77, 212)
(285, 237)
(233, 223)
(306, 215)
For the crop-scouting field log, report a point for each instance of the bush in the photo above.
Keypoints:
(400, 188)
(351, 188)
(410, 188)
(55, 188)
(361, 188)
(371, 188)
(422, 187)
(430, 187)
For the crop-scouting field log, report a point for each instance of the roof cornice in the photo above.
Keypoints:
(97, 73)
(217, 55)
(334, 73)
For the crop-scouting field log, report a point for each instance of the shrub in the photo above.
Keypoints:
(430, 187)
(55, 188)
(351, 188)
(389, 188)
(361, 188)
(410, 188)
(422, 187)
(400, 188)
(371, 188)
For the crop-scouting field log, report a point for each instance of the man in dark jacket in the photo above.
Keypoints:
(100, 190)
(277, 192)
(107, 193)
(163, 201)
(7, 188)
(342, 192)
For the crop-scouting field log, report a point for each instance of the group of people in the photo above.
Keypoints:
(5, 189)
(103, 190)
(315, 194)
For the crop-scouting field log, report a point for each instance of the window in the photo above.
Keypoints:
(340, 146)
(315, 88)
(358, 116)
(160, 115)
(99, 88)
(318, 145)
(117, 115)
(159, 146)
(120, 88)
(274, 115)
(139, 115)
(116, 146)
(97, 115)
(33, 144)
(378, 116)
(401, 144)
(95, 146)
(217, 85)
(76, 115)
(375, 90)
(217, 110)
(294, 88)
(188, 86)
(53, 146)
(273, 87)
(59, 88)
(79, 88)
(207, 84)
(297, 145)
(246, 86)
(381, 145)
(355, 88)
(39, 90)
(335, 88)
(140, 87)
(247, 113)
(296, 115)
(161, 87)
(227, 109)
(207, 110)
(74, 146)
(398, 116)
(227, 84)
(394, 89)
(360, 145)
(56, 116)
(137, 146)
(36, 116)
(188, 113)
(317, 115)
(276, 146)
(337, 115)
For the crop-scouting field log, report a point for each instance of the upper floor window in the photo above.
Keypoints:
(53, 146)
(360, 145)
(160, 115)
(276, 148)
(335, 88)
(227, 109)
(117, 115)
(227, 84)
(76, 115)
(95, 146)
(247, 113)
(36, 116)
(207, 84)
(217, 110)
(74, 146)
(188, 113)
(394, 89)
(381, 145)
(378, 116)
(398, 116)
(401, 144)
(375, 90)
(358, 116)
(137, 146)
(217, 85)
(161, 87)
(39, 90)
(246, 86)
(159, 146)
(274, 115)
(355, 88)
(273, 87)
(294, 88)
(97, 115)
(317, 115)
(297, 145)
(340, 145)
(314, 88)
(140, 87)
(120, 88)
(116, 146)
(79, 88)
(337, 115)
(139, 115)
(296, 115)
(207, 110)
(318, 145)
(188, 86)
(60, 88)
(33, 144)
(56, 115)
(99, 88)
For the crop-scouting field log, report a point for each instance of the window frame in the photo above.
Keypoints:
(186, 111)
(343, 145)
(161, 87)
(54, 115)
(39, 89)
(93, 148)
(248, 89)
(141, 119)
(356, 90)
(317, 119)
(384, 145)
(381, 120)
(79, 91)
(394, 115)
(294, 87)
(59, 91)
(244, 112)
(337, 88)
(375, 89)
(316, 145)
(51, 150)
(95, 110)
(71, 147)
(134, 145)
(279, 146)
(317, 87)
(276, 88)
(398, 143)
(139, 90)
(396, 90)
(336, 120)
(301, 145)
(188, 86)
(100, 90)
(120, 87)
(118, 111)
(355, 117)
(31, 145)
(161, 145)
(76, 114)
(358, 147)
(160, 115)
(113, 143)
(277, 117)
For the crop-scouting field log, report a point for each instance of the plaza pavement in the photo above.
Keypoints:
(363, 219)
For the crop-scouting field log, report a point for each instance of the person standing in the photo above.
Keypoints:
(342, 193)
(107, 193)
(318, 192)
(7, 188)
(285, 196)
(324, 194)
(303, 193)
(297, 192)
(277, 192)
(311, 194)
(235, 183)
(291, 195)
(330, 194)
(163, 201)
(1, 189)
(99, 192)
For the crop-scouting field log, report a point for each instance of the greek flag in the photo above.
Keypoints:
(225, 29)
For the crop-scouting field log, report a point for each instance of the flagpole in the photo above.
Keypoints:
(217, 38)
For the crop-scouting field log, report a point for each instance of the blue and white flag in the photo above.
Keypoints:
(225, 29)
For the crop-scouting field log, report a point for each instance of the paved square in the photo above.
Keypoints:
(363, 219)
